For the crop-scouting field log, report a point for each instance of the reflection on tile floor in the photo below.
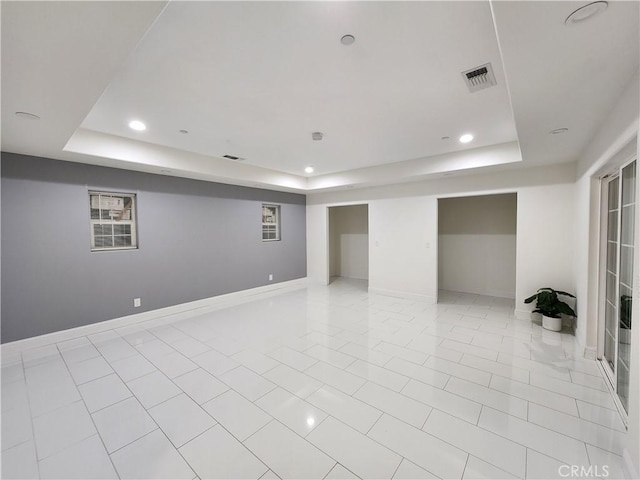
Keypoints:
(325, 382)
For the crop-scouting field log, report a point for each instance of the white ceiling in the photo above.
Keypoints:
(255, 79)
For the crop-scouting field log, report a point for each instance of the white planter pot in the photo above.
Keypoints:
(553, 324)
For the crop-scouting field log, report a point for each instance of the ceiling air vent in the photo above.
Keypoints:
(479, 78)
(232, 157)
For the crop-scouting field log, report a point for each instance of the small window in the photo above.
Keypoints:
(113, 221)
(270, 223)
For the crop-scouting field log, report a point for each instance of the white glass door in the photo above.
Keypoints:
(620, 197)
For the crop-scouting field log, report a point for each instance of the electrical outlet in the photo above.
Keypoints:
(136, 302)
(270, 276)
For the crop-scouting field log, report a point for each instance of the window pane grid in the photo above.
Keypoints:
(270, 222)
(112, 217)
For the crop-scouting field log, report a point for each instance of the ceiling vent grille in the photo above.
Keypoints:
(479, 78)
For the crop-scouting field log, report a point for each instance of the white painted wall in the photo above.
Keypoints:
(349, 241)
(545, 242)
(464, 162)
(317, 244)
(586, 246)
(403, 234)
(477, 245)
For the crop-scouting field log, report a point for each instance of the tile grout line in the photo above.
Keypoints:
(87, 408)
(526, 446)
(466, 463)
(109, 454)
(367, 380)
(304, 439)
(31, 418)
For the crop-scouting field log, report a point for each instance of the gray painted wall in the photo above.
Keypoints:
(196, 240)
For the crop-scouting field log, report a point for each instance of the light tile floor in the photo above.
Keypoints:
(325, 382)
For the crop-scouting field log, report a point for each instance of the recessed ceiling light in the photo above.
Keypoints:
(184, 132)
(558, 130)
(466, 138)
(137, 125)
(586, 12)
(27, 115)
(347, 39)
(308, 169)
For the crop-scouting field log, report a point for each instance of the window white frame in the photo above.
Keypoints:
(112, 219)
(270, 222)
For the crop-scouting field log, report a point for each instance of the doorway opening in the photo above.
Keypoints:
(477, 245)
(349, 243)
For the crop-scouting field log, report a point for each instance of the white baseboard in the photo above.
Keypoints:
(485, 293)
(499, 294)
(522, 314)
(629, 470)
(154, 317)
(406, 295)
(590, 353)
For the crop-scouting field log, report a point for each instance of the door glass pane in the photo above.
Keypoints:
(626, 235)
(628, 184)
(611, 308)
(612, 253)
(624, 347)
(626, 265)
(626, 282)
(609, 335)
(613, 194)
(612, 231)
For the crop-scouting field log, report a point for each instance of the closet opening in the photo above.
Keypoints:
(477, 245)
(349, 243)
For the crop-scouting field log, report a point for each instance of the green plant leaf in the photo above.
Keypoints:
(548, 303)
(566, 309)
(565, 293)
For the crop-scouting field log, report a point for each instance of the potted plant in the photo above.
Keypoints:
(550, 306)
